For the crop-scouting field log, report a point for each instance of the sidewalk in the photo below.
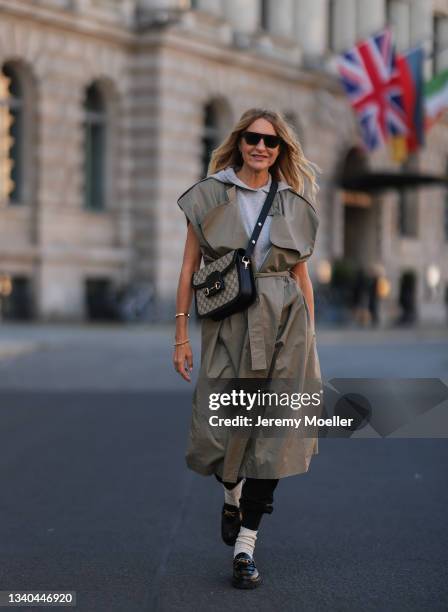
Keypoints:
(21, 338)
(380, 335)
(15, 348)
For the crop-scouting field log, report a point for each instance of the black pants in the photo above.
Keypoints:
(257, 497)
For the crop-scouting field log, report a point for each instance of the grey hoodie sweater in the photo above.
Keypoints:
(250, 202)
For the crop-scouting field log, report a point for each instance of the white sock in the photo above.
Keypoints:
(232, 497)
(245, 542)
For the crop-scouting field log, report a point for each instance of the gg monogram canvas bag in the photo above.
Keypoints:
(227, 285)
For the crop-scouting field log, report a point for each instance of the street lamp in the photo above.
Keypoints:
(433, 278)
(324, 271)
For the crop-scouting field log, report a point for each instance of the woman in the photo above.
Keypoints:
(274, 338)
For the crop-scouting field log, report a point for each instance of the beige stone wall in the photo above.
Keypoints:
(60, 243)
(157, 83)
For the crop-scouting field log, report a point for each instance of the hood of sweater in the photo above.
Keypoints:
(228, 175)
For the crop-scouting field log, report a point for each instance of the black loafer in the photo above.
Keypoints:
(230, 523)
(245, 573)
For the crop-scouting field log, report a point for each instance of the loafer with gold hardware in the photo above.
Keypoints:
(230, 523)
(245, 573)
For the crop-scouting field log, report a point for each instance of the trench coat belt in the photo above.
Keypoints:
(257, 321)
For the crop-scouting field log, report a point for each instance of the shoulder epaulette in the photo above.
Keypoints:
(303, 198)
(194, 185)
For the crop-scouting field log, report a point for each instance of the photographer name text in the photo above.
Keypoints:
(245, 421)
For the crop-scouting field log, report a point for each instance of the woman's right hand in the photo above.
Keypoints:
(183, 357)
(183, 360)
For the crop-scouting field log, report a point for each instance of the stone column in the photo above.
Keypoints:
(146, 5)
(311, 26)
(400, 20)
(421, 30)
(244, 15)
(371, 17)
(214, 7)
(344, 24)
(442, 43)
(281, 18)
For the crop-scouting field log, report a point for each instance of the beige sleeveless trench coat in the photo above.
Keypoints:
(272, 337)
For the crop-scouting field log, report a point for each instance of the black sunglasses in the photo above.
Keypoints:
(270, 141)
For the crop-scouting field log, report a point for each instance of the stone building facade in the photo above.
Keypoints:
(108, 110)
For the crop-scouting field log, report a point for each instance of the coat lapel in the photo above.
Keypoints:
(292, 234)
(223, 227)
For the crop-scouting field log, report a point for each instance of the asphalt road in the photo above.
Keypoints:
(96, 497)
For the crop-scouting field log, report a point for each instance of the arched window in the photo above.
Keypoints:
(216, 120)
(95, 125)
(11, 135)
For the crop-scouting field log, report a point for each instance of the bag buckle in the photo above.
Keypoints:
(216, 283)
(246, 261)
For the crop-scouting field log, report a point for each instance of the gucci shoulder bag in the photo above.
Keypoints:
(227, 285)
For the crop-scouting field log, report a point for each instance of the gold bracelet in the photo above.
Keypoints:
(179, 343)
(182, 314)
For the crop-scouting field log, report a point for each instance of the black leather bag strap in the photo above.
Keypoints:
(261, 219)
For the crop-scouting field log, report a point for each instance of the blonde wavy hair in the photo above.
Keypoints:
(291, 164)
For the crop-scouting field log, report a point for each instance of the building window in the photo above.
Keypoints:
(401, 213)
(408, 203)
(95, 124)
(264, 14)
(389, 11)
(407, 297)
(99, 299)
(408, 213)
(11, 137)
(439, 47)
(435, 43)
(210, 136)
(216, 121)
(16, 300)
(291, 119)
(331, 15)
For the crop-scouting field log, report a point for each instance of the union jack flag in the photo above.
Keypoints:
(372, 82)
